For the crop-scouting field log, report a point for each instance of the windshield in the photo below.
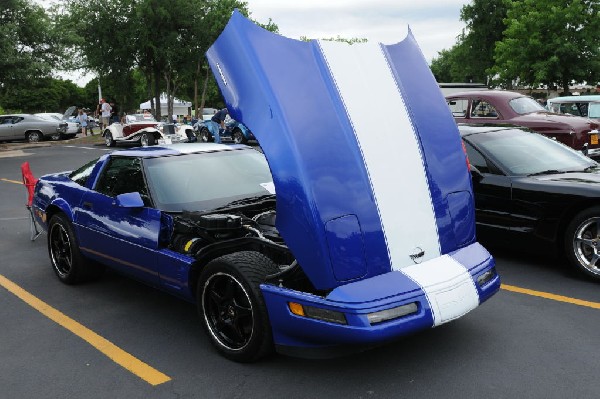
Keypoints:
(594, 110)
(140, 118)
(525, 105)
(521, 153)
(204, 181)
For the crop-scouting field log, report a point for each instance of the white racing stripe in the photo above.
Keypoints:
(448, 286)
(389, 147)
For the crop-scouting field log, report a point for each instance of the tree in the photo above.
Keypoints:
(472, 57)
(27, 44)
(554, 42)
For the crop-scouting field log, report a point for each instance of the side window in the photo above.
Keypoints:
(476, 159)
(123, 175)
(458, 107)
(81, 175)
(7, 120)
(483, 109)
(17, 119)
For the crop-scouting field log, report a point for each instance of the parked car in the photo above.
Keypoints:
(290, 254)
(535, 193)
(234, 131)
(140, 129)
(30, 127)
(585, 106)
(517, 109)
(72, 127)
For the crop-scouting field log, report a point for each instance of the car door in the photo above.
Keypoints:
(493, 204)
(124, 238)
(6, 130)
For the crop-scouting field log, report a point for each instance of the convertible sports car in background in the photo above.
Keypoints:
(496, 106)
(535, 194)
(138, 128)
(234, 130)
(319, 250)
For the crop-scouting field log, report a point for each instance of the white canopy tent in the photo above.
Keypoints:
(180, 107)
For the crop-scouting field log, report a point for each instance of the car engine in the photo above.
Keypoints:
(205, 235)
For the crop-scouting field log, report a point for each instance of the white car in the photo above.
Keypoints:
(72, 127)
(144, 130)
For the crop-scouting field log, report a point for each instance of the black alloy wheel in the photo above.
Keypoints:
(232, 307)
(68, 263)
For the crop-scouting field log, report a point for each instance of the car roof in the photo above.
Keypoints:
(176, 149)
(467, 129)
(574, 99)
(501, 94)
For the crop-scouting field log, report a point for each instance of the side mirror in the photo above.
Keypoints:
(129, 200)
(476, 174)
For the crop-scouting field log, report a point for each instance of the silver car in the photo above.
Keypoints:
(30, 127)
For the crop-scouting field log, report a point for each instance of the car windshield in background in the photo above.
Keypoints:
(521, 153)
(198, 182)
(140, 118)
(594, 110)
(525, 105)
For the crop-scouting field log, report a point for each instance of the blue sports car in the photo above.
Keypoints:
(331, 241)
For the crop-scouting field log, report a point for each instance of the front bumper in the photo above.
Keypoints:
(436, 304)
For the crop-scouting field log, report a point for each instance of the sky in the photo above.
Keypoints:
(434, 23)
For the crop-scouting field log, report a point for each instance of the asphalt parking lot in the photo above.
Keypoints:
(115, 338)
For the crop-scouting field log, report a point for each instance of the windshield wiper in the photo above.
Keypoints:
(591, 167)
(546, 172)
(246, 201)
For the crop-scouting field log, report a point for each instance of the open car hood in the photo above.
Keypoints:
(69, 112)
(365, 156)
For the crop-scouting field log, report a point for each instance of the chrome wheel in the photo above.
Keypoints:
(61, 253)
(34, 137)
(228, 311)
(238, 137)
(144, 140)
(205, 135)
(586, 242)
(108, 140)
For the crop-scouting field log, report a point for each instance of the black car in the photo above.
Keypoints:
(534, 193)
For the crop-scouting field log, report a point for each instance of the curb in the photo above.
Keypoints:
(23, 146)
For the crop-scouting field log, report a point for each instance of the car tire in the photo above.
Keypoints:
(205, 135)
(147, 140)
(56, 137)
(34, 137)
(108, 139)
(582, 242)
(67, 262)
(238, 137)
(231, 305)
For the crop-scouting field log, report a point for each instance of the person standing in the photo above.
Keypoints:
(105, 109)
(82, 118)
(114, 113)
(217, 122)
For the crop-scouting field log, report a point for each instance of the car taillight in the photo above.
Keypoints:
(466, 156)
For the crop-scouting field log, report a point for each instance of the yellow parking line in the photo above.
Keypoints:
(116, 354)
(554, 297)
(11, 181)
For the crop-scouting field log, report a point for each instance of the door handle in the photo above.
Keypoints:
(88, 205)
